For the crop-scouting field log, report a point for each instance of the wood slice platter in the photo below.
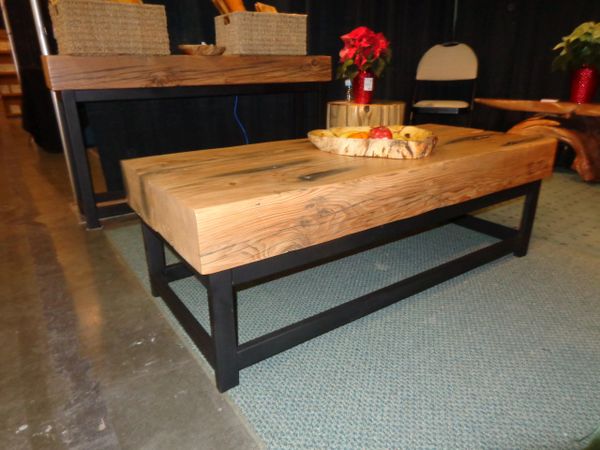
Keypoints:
(408, 142)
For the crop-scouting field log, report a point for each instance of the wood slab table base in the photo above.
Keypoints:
(577, 125)
(241, 215)
(581, 134)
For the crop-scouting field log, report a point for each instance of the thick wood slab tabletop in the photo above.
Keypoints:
(119, 72)
(227, 207)
(536, 106)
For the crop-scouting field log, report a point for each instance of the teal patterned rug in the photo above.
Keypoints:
(506, 356)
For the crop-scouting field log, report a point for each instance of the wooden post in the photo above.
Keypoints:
(348, 114)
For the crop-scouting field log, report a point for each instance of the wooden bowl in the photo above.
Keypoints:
(201, 49)
(409, 142)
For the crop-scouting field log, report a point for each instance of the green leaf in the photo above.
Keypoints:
(581, 47)
(352, 72)
(342, 70)
(580, 30)
(387, 56)
(378, 67)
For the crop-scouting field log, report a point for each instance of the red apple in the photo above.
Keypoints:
(380, 133)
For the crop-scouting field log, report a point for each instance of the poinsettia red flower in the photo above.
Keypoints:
(363, 50)
(360, 61)
(357, 33)
(347, 53)
(381, 44)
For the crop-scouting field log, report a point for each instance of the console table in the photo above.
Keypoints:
(243, 214)
(81, 79)
(577, 125)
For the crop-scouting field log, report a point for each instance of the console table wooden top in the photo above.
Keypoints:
(122, 72)
(224, 208)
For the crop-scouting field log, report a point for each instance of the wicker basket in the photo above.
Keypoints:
(101, 27)
(252, 33)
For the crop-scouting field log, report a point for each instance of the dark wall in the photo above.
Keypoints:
(121, 129)
(411, 27)
(513, 39)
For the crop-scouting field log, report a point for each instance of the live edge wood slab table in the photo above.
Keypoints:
(84, 79)
(577, 125)
(243, 214)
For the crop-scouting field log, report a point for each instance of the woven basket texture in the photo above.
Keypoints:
(101, 27)
(251, 33)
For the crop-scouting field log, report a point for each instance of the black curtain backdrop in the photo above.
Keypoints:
(512, 38)
(121, 129)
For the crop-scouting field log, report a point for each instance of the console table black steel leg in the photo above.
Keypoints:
(223, 323)
(68, 154)
(155, 257)
(527, 218)
(81, 167)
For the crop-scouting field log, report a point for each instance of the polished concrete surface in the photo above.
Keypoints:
(87, 360)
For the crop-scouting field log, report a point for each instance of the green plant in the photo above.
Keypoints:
(580, 48)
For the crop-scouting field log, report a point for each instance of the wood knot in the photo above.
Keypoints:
(160, 79)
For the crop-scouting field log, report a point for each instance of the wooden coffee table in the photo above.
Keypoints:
(242, 214)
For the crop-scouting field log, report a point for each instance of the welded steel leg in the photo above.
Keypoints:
(155, 256)
(221, 301)
(527, 217)
(80, 162)
(68, 154)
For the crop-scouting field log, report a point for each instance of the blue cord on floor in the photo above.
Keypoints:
(239, 122)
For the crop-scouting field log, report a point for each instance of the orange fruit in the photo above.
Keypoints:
(359, 135)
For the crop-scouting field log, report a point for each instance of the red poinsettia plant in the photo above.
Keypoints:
(363, 50)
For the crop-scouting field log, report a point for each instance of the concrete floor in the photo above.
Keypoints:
(87, 361)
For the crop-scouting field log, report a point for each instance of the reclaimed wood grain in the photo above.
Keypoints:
(120, 72)
(348, 114)
(223, 208)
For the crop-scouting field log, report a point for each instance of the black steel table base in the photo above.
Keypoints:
(221, 347)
